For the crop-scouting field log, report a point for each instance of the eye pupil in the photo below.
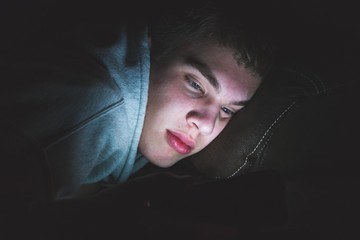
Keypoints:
(228, 111)
(195, 85)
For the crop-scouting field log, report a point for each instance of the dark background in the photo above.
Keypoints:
(322, 35)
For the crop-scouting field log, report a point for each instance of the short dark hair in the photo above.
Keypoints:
(252, 47)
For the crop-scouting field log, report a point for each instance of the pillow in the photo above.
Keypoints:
(304, 116)
(295, 121)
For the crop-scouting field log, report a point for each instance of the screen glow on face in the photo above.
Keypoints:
(192, 97)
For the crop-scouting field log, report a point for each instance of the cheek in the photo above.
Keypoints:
(169, 94)
(218, 129)
(167, 104)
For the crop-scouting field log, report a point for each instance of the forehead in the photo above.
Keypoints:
(208, 48)
(223, 65)
(218, 58)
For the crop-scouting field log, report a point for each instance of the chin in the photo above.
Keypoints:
(162, 162)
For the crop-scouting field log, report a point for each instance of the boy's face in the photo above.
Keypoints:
(192, 97)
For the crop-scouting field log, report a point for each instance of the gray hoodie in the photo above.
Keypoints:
(81, 106)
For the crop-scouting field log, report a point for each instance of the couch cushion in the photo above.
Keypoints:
(304, 116)
(295, 121)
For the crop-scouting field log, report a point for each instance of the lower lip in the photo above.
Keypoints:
(177, 144)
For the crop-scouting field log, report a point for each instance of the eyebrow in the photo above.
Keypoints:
(204, 70)
(240, 103)
(207, 73)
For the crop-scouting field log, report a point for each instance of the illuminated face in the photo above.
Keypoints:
(192, 97)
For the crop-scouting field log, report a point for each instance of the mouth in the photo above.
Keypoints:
(179, 142)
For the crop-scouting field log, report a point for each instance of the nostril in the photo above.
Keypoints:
(204, 121)
(195, 125)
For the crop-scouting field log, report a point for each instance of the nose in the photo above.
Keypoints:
(203, 120)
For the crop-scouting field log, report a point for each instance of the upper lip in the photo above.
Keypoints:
(184, 138)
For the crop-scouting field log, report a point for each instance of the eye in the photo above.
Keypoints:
(195, 85)
(228, 112)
